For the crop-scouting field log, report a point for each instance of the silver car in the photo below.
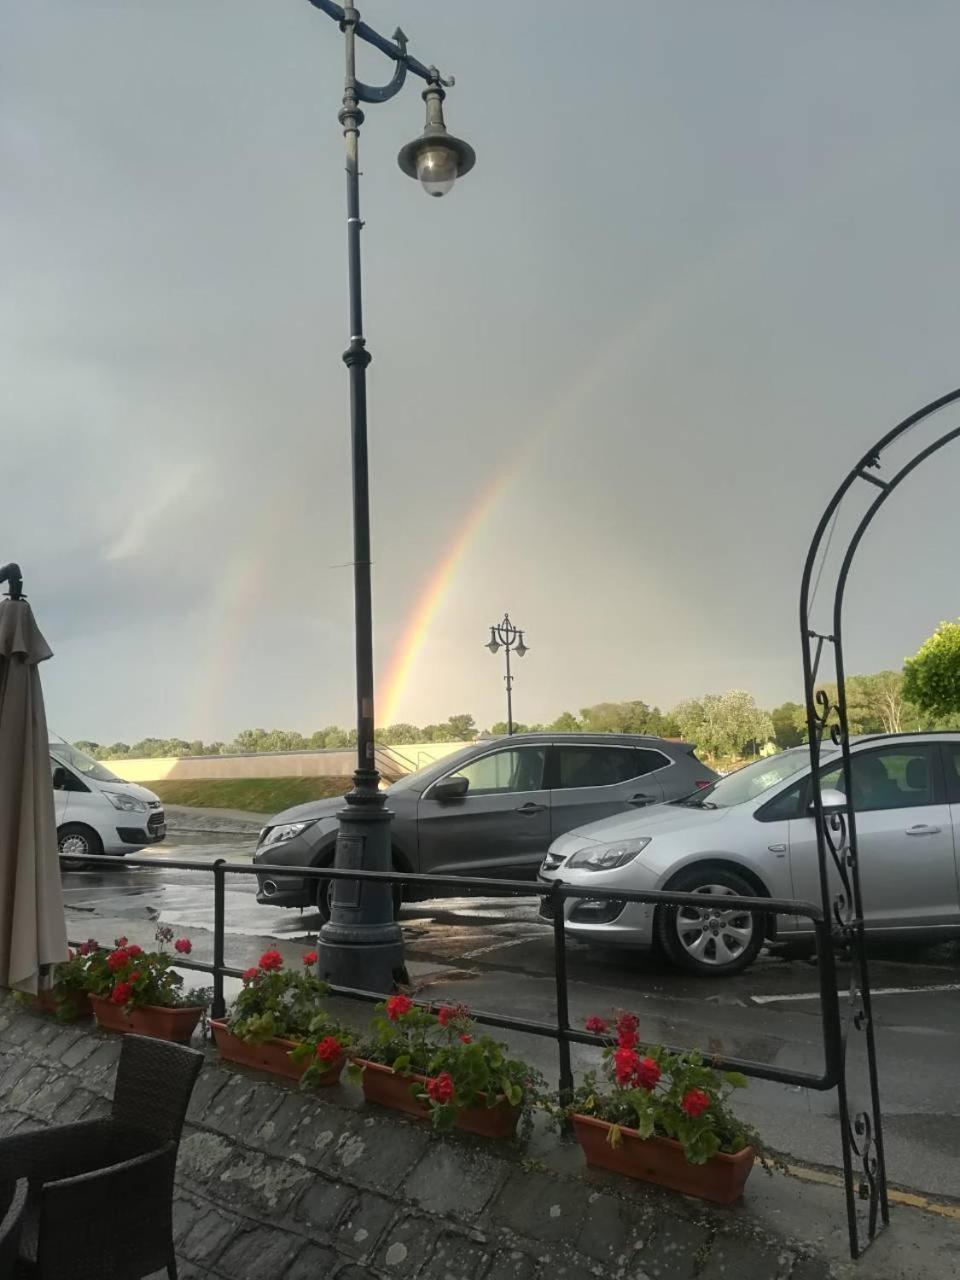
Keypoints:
(751, 833)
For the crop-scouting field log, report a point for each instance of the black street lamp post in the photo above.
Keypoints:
(361, 946)
(509, 638)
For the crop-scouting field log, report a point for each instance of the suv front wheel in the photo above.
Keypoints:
(713, 941)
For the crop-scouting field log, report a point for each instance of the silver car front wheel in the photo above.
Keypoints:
(713, 940)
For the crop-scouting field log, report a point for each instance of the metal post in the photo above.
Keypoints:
(218, 1006)
(560, 978)
(361, 945)
(509, 694)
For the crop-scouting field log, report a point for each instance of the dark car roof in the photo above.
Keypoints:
(618, 739)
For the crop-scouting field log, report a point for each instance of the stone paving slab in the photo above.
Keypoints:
(273, 1184)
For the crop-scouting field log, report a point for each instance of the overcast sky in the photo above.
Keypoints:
(708, 254)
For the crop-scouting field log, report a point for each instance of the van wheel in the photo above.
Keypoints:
(76, 842)
(324, 896)
(711, 941)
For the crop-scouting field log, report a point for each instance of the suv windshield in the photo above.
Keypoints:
(83, 764)
(417, 781)
(750, 781)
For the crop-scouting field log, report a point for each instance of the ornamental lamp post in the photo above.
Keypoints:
(504, 635)
(361, 945)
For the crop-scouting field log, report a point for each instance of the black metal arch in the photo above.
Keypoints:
(861, 1130)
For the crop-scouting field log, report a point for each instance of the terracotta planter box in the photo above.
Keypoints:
(75, 1007)
(661, 1160)
(148, 1020)
(270, 1056)
(384, 1086)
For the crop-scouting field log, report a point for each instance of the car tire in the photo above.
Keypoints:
(78, 842)
(324, 895)
(710, 942)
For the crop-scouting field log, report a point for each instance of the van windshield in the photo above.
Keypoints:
(81, 763)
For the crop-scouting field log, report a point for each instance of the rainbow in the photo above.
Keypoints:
(431, 597)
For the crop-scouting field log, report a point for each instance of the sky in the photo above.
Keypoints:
(707, 256)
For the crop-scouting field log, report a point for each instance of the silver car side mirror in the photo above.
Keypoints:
(833, 802)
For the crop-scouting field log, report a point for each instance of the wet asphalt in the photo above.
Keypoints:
(497, 955)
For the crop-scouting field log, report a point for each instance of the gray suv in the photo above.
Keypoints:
(492, 809)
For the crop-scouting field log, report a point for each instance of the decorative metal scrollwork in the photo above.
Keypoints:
(837, 846)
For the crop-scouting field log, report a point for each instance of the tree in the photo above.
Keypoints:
(623, 717)
(566, 722)
(500, 729)
(463, 728)
(394, 735)
(931, 678)
(789, 724)
(89, 748)
(725, 725)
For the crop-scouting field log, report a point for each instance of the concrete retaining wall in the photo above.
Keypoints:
(280, 764)
(276, 1185)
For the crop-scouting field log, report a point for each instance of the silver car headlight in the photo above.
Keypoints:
(606, 857)
(129, 804)
(280, 835)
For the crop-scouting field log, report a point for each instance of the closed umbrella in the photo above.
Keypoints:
(32, 928)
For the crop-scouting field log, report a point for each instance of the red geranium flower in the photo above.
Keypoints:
(271, 960)
(310, 958)
(625, 1063)
(448, 1013)
(397, 1006)
(647, 1073)
(121, 942)
(117, 959)
(627, 1026)
(466, 1039)
(121, 993)
(249, 975)
(134, 950)
(597, 1025)
(695, 1102)
(183, 945)
(84, 948)
(329, 1049)
(440, 1088)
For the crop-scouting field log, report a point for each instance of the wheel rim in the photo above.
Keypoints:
(74, 846)
(712, 935)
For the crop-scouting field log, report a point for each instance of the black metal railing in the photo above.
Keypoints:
(556, 894)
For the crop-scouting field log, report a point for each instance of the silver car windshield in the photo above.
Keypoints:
(750, 781)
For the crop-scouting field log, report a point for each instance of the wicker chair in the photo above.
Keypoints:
(100, 1191)
(13, 1204)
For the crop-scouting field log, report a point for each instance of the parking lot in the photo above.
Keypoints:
(497, 955)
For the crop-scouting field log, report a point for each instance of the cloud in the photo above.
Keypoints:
(145, 515)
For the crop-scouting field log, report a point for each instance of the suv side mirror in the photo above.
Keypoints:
(453, 788)
(832, 801)
(61, 779)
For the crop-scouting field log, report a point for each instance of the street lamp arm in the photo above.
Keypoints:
(395, 49)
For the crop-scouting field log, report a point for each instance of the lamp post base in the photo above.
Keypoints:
(361, 945)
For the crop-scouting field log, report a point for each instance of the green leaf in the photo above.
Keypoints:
(737, 1079)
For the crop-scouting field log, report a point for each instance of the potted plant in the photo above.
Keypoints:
(662, 1117)
(136, 990)
(432, 1065)
(64, 994)
(276, 1024)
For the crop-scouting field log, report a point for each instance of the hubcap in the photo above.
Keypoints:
(73, 845)
(711, 934)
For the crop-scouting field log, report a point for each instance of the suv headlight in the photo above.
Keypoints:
(280, 835)
(128, 803)
(605, 857)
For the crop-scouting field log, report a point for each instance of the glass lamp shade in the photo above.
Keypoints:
(437, 168)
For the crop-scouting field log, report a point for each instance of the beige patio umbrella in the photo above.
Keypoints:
(32, 928)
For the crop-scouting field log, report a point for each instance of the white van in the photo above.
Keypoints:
(97, 812)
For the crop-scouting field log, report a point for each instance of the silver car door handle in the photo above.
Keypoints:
(921, 829)
(530, 807)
